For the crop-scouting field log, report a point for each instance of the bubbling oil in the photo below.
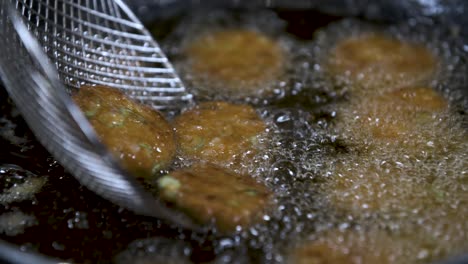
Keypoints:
(338, 191)
(156, 250)
(14, 223)
(18, 184)
(406, 198)
(412, 189)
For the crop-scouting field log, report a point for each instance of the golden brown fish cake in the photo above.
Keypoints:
(395, 116)
(404, 112)
(360, 187)
(219, 132)
(417, 99)
(402, 128)
(350, 247)
(236, 62)
(211, 194)
(135, 134)
(375, 60)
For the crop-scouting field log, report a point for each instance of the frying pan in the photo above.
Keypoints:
(448, 13)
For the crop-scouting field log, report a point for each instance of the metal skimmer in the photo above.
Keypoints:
(49, 48)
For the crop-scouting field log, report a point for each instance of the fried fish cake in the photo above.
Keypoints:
(395, 116)
(393, 134)
(236, 63)
(219, 132)
(404, 112)
(135, 134)
(417, 99)
(375, 60)
(211, 194)
(350, 247)
(363, 188)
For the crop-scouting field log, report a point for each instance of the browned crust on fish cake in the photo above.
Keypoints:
(395, 115)
(347, 247)
(374, 59)
(219, 132)
(242, 61)
(135, 134)
(212, 194)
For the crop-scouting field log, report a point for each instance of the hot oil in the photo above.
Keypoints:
(53, 214)
(330, 177)
(332, 183)
(397, 183)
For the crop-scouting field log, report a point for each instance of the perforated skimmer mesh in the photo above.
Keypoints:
(94, 42)
(101, 42)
